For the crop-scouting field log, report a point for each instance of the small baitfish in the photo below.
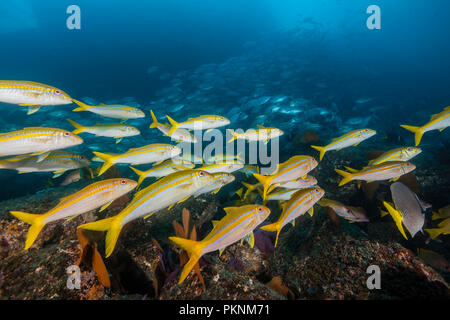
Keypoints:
(33, 95)
(157, 152)
(36, 141)
(260, 134)
(292, 169)
(164, 169)
(300, 202)
(352, 214)
(113, 130)
(384, 171)
(180, 135)
(111, 111)
(204, 122)
(166, 192)
(399, 154)
(352, 138)
(238, 223)
(96, 195)
(57, 162)
(438, 121)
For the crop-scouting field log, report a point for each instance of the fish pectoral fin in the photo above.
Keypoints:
(221, 251)
(442, 129)
(118, 139)
(41, 155)
(356, 144)
(148, 216)
(105, 206)
(394, 179)
(216, 191)
(32, 109)
(71, 218)
(293, 222)
(311, 211)
(183, 200)
(58, 173)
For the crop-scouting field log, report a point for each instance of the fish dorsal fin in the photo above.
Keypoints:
(351, 170)
(102, 104)
(215, 222)
(261, 127)
(230, 210)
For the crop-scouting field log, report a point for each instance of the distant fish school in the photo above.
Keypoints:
(39, 149)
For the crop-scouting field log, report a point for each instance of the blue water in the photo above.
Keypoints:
(314, 59)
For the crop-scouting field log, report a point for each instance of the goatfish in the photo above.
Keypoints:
(57, 162)
(33, 95)
(352, 138)
(398, 154)
(161, 170)
(180, 135)
(111, 111)
(443, 228)
(260, 134)
(237, 224)
(292, 169)
(204, 122)
(157, 152)
(96, 195)
(114, 130)
(438, 121)
(442, 213)
(223, 157)
(352, 214)
(384, 171)
(220, 179)
(300, 202)
(301, 183)
(72, 177)
(226, 166)
(166, 192)
(36, 141)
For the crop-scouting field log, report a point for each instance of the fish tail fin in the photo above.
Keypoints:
(111, 226)
(276, 227)
(265, 180)
(109, 161)
(194, 249)
(36, 221)
(239, 192)
(396, 215)
(322, 151)
(78, 127)
(234, 135)
(434, 233)
(155, 121)
(347, 177)
(417, 131)
(435, 216)
(82, 106)
(141, 175)
(174, 125)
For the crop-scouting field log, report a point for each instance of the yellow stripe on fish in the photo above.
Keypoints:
(398, 154)
(438, 121)
(94, 196)
(113, 130)
(352, 138)
(166, 192)
(260, 134)
(237, 223)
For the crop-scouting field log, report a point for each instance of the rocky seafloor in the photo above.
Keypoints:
(320, 258)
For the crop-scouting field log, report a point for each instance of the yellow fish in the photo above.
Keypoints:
(36, 141)
(162, 170)
(204, 122)
(228, 166)
(399, 154)
(384, 171)
(112, 130)
(96, 195)
(260, 134)
(238, 223)
(32, 94)
(111, 111)
(438, 121)
(157, 152)
(442, 213)
(166, 192)
(352, 138)
(300, 202)
(178, 135)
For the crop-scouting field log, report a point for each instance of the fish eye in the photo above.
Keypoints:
(260, 209)
(66, 134)
(201, 174)
(57, 92)
(123, 181)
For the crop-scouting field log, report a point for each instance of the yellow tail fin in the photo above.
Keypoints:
(194, 249)
(36, 221)
(155, 121)
(434, 233)
(111, 226)
(347, 177)
(78, 127)
(239, 192)
(276, 227)
(417, 131)
(82, 106)
(174, 125)
(141, 174)
(108, 161)
(322, 151)
(265, 180)
(396, 215)
(234, 135)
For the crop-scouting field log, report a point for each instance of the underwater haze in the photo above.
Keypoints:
(308, 73)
